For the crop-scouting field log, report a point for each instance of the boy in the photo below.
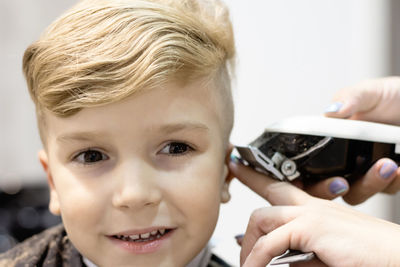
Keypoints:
(134, 110)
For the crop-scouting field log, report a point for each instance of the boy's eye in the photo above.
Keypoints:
(176, 148)
(90, 156)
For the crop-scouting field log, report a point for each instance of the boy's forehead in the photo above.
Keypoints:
(166, 109)
(69, 136)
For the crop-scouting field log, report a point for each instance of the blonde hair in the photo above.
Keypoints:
(102, 51)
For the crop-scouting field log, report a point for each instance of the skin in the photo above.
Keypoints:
(372, 100)
(337, 234)
(150, 165)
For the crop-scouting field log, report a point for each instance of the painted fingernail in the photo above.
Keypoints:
(239, 239)
(334, 107)
(387, 169)
(337, 187)
(234, 159)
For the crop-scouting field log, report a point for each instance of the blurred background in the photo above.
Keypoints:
(291, 57)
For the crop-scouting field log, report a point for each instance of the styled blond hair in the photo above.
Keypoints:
(102, 51)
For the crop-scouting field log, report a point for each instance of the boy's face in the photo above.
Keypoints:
(150, 167)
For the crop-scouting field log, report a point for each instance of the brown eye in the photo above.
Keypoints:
(176, 148)
(90, 156)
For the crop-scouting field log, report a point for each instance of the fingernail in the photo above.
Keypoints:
(234, 159)
(334, 107)
(239, 239)
(337, 187)
(387, 169)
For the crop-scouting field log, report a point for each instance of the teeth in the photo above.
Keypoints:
(139, 237)
(144, 236)
(134, 237)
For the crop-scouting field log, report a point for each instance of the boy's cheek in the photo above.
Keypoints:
(70, 198)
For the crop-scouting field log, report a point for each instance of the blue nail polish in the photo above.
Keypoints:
(238, 237)
(334, 107)
(234, 159)
(337, 187)
(387, 169)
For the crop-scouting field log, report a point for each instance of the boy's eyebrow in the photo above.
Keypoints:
(79, 136)
(175, 127)
(168, 128)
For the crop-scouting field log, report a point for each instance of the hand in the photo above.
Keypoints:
(338, 235)
(374, 100)
(383, 176)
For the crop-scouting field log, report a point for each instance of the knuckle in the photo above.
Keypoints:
(261, 245)
(256, 216)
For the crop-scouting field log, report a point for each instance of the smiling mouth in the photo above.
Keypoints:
(145, 237)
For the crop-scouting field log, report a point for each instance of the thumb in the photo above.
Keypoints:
(350, 102)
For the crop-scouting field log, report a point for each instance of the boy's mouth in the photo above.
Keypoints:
(144, 237)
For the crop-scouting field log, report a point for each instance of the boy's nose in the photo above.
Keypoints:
(136, 186)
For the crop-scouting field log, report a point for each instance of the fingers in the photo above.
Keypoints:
(352, 108)
(312, 263)
(329, 188)
(264, 221)
(350, 101)
(383, 176)
(377, 179)
(276, 192)
(278, 238)
(394, 186)
(269, 246)
(341, 109)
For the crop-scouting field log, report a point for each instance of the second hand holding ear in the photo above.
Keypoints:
(337, 234)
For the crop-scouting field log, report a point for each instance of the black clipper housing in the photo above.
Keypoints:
(290, 156)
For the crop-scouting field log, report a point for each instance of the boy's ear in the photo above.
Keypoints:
(54, 205)
(228, 176)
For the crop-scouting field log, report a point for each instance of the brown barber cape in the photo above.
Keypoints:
(51, 248)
